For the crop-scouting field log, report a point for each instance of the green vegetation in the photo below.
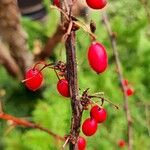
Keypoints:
(48, 108)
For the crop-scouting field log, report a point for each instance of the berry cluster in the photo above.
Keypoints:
(34, 78)
(97, 115)
(97, 58)
(98, 61)
(129, 89)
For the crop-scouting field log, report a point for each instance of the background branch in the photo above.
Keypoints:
(27, 124)
(51, 44)
(147, 115)
(112, 37)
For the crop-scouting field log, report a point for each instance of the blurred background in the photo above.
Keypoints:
(31, 32)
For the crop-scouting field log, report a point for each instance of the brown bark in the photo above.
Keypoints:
(73, 83)
(72, 74)
(13, 34)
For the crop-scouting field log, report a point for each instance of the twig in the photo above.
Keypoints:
(105, 99)
(27, 124)
(1, 109)
(147, 119)
(64, 145)
(68, 31)
(120, 75)
(85, 27)
(51, 43)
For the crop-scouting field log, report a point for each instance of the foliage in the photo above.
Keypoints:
(49, 109)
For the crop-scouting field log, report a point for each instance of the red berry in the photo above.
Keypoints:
(89, 126)
(81, 143)
(33, 79)
(121, 143)
(129, 91)
(97, 57)
(99, 114)
(63, 87)
(96, 4)
(56, 2)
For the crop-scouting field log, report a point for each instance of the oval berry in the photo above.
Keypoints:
(129, 91)
(63, 87)
(99, 114)
(81, 143)
(97, 57)
(96, 4)
(89, 127)
(56, 2)
(33, 79)
(121, 143)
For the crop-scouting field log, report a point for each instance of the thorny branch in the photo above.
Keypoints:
(72, 77)
(120, 75)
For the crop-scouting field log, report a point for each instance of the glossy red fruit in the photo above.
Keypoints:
(89, 127)
(121, 143)
(129, 91)
(81, 143)
(33, 79)
(56, 2)
(97, 57)
(63, 87)
(99, 114)
(96, 4)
